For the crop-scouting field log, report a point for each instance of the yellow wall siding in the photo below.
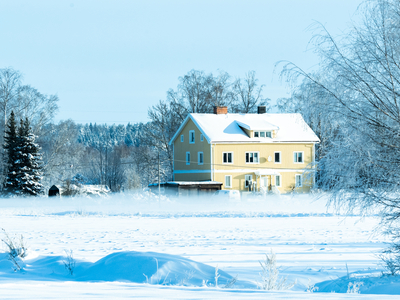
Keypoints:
(180, 149)
(287, 181)
(265, 151)
(192, 177)
(239, 168)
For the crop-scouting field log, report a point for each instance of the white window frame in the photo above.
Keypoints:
(230, 181)
(190, 137)
(258, 156)
(301, 180)
(198, 158)
(265, 132)
(187, 158)
(227, 163)
(245, 179)
(182, 138)
(280, 180)
(201, 137)
(302, 157)
(280, 157)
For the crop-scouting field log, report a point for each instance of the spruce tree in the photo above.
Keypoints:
(12, 141)
(30, 169)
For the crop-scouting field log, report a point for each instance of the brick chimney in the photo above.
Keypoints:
(262, 109)
(219, 110)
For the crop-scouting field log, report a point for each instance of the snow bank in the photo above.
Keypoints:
(363, 282)
(127, 266)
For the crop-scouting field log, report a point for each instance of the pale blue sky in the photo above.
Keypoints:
(108, 61)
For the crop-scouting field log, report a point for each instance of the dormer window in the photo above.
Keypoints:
(262, 134)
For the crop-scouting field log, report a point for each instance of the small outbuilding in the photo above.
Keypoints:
(54, 191)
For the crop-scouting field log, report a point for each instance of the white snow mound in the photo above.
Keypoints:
(128, 266)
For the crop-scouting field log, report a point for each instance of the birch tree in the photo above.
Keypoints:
(362, 167)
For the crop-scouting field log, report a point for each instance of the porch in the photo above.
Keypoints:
(266, 181)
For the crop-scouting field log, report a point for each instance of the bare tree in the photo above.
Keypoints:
(247, 94)
(10, 80)
(61, 151)
(221, 90)
(362, 167)
(38, 108)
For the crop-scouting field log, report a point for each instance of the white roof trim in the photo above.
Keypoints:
(179, 130)
(189, 116)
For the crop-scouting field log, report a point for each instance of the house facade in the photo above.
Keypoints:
(269, 152)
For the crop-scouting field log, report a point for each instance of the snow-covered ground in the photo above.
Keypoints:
(136, 245)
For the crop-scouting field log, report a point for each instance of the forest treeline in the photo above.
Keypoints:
(123, 157)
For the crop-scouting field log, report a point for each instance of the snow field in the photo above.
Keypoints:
(312, 245)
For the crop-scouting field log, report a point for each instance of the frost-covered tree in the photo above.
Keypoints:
(362, 165)
(23, 160)
(247, 94)
(363, 86)
(30, 164)
(10, 81)
(12, 142)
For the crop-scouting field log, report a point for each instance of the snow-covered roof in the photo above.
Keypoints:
(228, 127)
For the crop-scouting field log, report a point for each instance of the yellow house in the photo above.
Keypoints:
(268, 152)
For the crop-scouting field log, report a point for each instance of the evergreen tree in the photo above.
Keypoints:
(30, 169)
(12, 141)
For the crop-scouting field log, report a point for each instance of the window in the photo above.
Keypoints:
(298, 157)
(228, 181)
(181, 138)
(188, 158)
(277, 157)
(227, 157)
(247, 179)
(201, 137)
(191, 137)
(263, 134)
(278, 180)
(299, 180)
(200, 160)
(252, 158)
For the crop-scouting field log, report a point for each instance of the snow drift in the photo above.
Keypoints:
(127, 266)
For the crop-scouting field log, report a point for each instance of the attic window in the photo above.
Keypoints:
(262, 134)
(191, 137)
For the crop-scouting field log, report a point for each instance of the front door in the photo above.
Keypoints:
(264, 182)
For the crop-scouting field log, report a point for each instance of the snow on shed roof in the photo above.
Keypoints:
(227, 127)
